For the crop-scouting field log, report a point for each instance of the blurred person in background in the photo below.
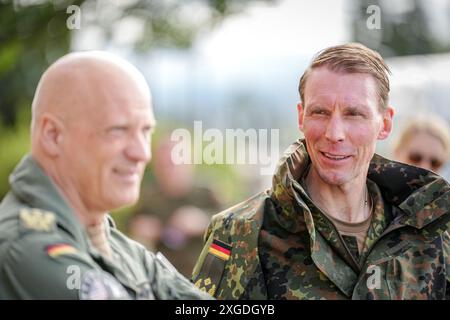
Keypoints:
(174, 210)
(92, 120)
(424, 141)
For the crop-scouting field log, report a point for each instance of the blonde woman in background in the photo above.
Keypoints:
(424, 142)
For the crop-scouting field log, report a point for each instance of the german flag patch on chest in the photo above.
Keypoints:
(220, 249)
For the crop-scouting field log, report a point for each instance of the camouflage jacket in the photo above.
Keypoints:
(278, 245)
(45, 252)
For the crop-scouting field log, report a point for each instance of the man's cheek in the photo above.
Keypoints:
(313, 132)
(363, 136)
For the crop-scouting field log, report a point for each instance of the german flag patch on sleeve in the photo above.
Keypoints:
(220, 249)
(58, 249)
(212, 266)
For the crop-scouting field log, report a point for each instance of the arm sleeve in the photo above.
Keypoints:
(29, 272)
(168, 284)
(446, 245)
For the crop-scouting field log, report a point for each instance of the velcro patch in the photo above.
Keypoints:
(36, 219)
(213, 266)
(99, 285)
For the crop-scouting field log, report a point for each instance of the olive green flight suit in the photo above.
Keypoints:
(45, 252)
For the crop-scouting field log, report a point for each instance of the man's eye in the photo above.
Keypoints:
(117, 130)
(354, 114)
(146, 130)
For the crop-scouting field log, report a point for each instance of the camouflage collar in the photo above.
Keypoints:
(423, 196)
(30, 184)
(420, 196)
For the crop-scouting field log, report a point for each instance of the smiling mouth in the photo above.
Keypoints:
(126, 172)
(130, 175)
(334, 156)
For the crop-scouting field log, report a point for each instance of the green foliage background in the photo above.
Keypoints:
(33, 34)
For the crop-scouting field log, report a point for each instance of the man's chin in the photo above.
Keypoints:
(333, 178)
(124, 200)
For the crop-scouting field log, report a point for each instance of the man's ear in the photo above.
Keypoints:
(386, 128)
(51, 134)
(300, 115)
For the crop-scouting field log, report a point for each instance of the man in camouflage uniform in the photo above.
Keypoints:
(91, 126)
(339, 222)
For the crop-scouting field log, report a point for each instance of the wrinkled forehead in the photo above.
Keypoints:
(326, 85)
(123, 111)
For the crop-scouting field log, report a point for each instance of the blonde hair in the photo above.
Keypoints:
(352, 58)
(430, 124)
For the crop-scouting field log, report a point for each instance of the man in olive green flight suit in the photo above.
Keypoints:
(339, 222)
(91, 125)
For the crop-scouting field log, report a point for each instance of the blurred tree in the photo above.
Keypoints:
(30, 36)
(405, 27)
(34, 33)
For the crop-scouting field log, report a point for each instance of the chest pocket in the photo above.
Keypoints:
(410, 271)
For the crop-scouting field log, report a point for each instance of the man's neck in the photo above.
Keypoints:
(348, 202)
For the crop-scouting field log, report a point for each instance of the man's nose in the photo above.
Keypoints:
(139, 149)
(335, 129)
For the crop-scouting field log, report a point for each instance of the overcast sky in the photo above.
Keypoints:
(291, 28)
